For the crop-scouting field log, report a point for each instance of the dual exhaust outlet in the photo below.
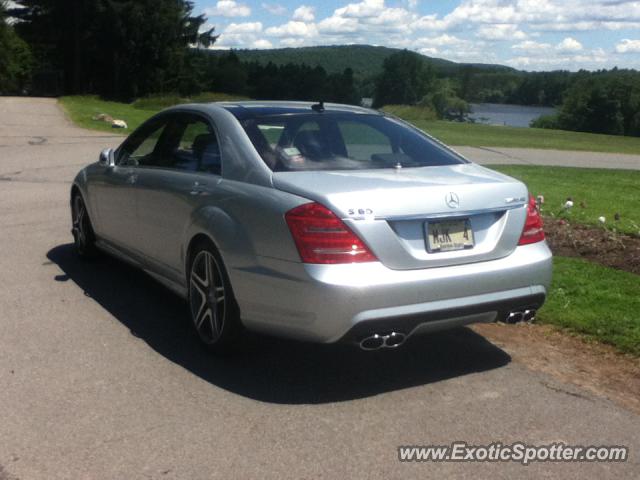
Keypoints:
(378, 341)
(384, 340)
(521, 316)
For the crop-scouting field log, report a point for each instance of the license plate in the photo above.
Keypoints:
(449, 235)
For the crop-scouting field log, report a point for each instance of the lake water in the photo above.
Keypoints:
(510, 115)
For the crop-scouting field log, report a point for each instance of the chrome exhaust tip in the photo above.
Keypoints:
(515, 317)
(387, 340)
(395, 339)
(374, 342)
(529, 315)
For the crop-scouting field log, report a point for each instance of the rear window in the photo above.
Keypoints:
(338, 141)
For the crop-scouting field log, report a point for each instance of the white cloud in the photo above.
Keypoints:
(274, 8)
(628, 46)
(569, 45)
(304, 14)
(228, 8)
(292, 42)
(441, 41)
(262, 44)
(293, 29)
(363, 9)
(239, 28)
(593, 59)
(429, 22)
(504, 31)
(337, 24)
(468, 33)
(428, 51)
(531, 46)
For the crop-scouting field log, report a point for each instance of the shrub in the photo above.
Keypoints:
(545, 121)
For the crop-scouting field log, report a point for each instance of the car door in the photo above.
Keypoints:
(116, 191)
(186, 170)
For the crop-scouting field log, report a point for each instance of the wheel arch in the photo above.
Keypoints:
(196, 239)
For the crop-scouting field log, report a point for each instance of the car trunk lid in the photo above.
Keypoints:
(391, 210)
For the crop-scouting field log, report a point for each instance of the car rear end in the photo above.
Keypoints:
(394, 250)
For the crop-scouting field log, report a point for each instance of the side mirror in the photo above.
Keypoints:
(106, 158)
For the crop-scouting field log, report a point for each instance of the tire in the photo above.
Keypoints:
(84, 239)
(214, 312)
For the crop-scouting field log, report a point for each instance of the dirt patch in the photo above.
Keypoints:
(595, 244)
(597, 368)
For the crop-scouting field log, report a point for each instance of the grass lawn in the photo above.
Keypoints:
(82, 108)
(603, 193)
(599, 302)
(477, 135)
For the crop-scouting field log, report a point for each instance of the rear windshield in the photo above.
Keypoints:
(338, 141)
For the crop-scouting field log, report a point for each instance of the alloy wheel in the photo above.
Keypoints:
(80, 223)
(207, 297)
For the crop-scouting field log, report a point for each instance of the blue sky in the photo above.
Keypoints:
(526, 34)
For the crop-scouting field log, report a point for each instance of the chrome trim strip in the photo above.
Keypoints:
(456, 213)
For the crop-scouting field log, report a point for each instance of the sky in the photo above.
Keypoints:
(525, 34)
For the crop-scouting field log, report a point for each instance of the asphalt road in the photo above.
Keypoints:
(562, 158)
(100, 377)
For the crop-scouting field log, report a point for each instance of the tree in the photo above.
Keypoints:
(445, 102)
(589, 108)
(15, 58)
(405, 79)
(117, 48)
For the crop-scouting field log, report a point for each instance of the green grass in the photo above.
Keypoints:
(82, 109)
(603, 193)
(599, 302)
(477, 135)
(411, 113)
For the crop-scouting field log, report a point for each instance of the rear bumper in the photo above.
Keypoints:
(327, 303)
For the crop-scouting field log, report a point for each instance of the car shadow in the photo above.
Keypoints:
(269, 369)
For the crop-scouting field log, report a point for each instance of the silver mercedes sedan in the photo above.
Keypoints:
(318, 222)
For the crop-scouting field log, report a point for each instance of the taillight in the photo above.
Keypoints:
(532, 231)
(321, 237)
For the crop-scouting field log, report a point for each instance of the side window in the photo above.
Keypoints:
(363, 141)
(143, 147)
(197, 149)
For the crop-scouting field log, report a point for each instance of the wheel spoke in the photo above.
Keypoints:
(213, 323)
(203, 282)
(206, 313)
(203, 301)
(208, 261)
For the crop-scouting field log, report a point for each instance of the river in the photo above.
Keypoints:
(510, 115)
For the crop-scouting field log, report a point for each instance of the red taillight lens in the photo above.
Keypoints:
(532, 231)
(321, 237)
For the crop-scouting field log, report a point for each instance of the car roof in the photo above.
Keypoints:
(251, 109)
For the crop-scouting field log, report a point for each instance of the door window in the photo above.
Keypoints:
(197, 149)
(144, 148)
(181, 142)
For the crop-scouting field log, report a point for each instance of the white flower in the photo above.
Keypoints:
(602, 219)
(568, 204)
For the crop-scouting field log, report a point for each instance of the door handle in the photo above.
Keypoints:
(131, 179)
(198, 188)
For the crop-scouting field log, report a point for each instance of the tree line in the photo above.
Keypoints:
(604, 101)
(125, 49)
